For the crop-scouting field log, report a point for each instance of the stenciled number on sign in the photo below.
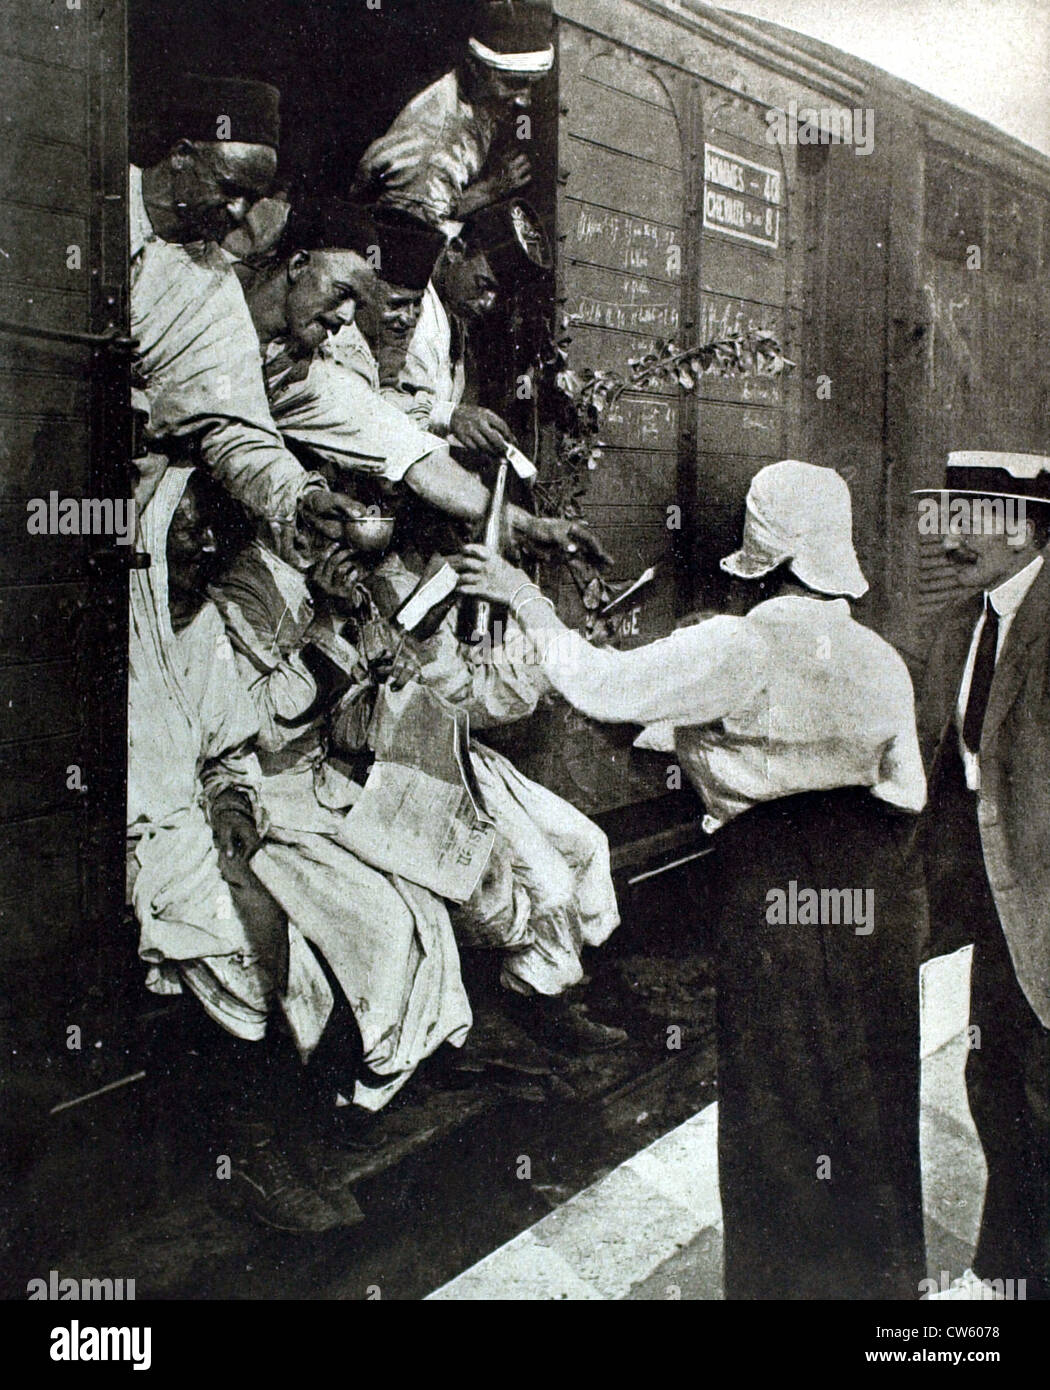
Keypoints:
(741, 199)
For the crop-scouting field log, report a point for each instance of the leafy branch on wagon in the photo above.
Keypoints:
(576, 406)
(580, 402)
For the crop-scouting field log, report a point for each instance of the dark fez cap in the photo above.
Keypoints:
(327, 223)
(514, 36)
(197, 104)
(407, 249)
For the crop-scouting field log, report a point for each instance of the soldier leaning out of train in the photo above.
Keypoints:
(448, 153)
(312, 642)
(324, 386)
(548, 891)
(196, 369)
(263, 902)
(386, 939)
(282, 888)
(796, 726)
(559, 895)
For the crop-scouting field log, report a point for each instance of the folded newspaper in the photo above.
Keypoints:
(421, 814)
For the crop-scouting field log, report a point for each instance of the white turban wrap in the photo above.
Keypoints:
(521, 64)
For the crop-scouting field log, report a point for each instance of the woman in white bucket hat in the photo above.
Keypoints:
(796, 726)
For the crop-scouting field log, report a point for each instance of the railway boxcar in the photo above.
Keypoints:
(908, 281)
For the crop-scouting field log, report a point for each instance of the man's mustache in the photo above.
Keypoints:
(963, 557)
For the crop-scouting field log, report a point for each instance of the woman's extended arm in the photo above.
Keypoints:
(696, 675)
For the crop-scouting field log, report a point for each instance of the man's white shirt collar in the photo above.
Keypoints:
(1007, 597)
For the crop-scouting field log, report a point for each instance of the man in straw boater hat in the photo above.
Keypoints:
(796, 726)
(985, 723)
(434, 161)
(211, 152)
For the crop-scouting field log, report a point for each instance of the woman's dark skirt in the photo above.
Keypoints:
(818, 1055)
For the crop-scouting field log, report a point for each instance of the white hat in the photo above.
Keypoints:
(801, 513)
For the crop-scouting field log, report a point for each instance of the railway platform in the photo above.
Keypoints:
(651, 1229)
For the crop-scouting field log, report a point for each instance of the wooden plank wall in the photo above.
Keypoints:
(746, 279)
(623, 261)
(45, 209)
(622, 265)
(641, 259)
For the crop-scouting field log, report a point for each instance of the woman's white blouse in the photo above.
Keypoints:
(795, 697)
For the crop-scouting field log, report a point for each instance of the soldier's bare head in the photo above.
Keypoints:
(324, 289)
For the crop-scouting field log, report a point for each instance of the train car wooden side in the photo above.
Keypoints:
(936, 247)
(64, 402)
(677, 218)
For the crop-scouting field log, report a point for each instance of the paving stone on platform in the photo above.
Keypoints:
(683, 1165)
(944, 1083)
(945, 1251)
(694, 1273)
(953, 1174)
(944, 993)
(953, 1167)
(522, 1270)
(651, 1229)
(615, 1233)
